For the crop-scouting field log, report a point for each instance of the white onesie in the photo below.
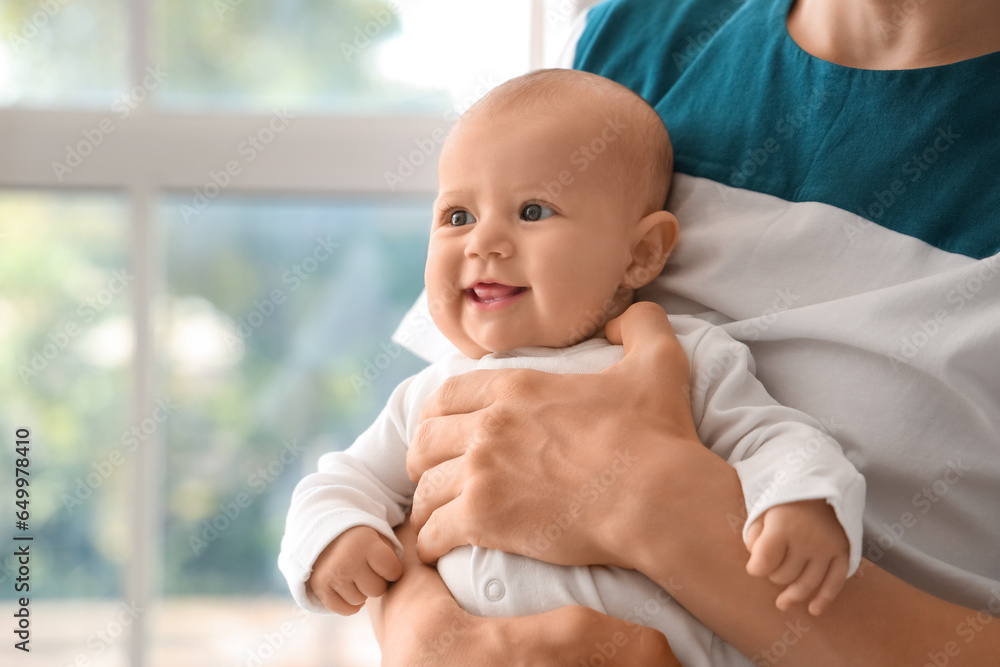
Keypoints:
(780, 454)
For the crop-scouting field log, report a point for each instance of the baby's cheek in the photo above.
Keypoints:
(580, 319)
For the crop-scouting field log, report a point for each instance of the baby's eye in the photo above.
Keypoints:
(459, 218)
(533, 212)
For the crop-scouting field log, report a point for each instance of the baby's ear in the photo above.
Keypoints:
(655, 235)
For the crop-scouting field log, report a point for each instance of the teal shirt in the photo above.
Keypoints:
(916, 151)
(845, 225)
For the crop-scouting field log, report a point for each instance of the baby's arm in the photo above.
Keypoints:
(366, 485)
(354, 567)
(799, 488)
(803, 545)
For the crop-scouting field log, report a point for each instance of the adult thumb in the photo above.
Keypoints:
(645, 332)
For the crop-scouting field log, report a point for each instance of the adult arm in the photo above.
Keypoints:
(503, 458)
(418, 622)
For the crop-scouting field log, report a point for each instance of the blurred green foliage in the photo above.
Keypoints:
(299, 377)
(59, 51)
(58, 253)
(218, 55)
(234, 399)
(296, 379)
(240, 53)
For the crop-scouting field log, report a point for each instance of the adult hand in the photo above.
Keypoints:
(504, 455)
(419, 623)
(564, 468)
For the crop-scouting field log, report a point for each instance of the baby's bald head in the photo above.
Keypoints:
(549, 214)
(623, 140)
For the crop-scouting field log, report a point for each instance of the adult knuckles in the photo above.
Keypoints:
(446, 394)
(492, 422)
(425, 486)
(489, 426)
(479, 497)
(417, 454)
(517, 383)
(450, 390)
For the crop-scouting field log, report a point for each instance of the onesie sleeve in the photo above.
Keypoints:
(781, 455)
(364, 485)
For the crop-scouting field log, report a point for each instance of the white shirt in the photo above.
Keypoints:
(856, 256)
(780, 454)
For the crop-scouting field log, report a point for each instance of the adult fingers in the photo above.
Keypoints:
(438, 486)
(468, 392)
(644, 326)
(458, 414)
(654, 362)
(442, 532)
(440, 439)
(584, 636)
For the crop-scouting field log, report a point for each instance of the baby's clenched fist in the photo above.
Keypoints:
(356, 566)
(801, 546)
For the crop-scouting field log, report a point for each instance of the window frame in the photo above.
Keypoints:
(152, 154)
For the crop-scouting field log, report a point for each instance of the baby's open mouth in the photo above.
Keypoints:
(494, 293)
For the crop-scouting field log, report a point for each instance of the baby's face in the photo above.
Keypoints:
(517, 256)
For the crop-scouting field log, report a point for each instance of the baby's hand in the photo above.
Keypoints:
(354, 567)
(803, 545)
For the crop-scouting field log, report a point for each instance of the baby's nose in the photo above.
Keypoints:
(490, 238)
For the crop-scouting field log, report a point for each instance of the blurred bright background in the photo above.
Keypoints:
(213, 214)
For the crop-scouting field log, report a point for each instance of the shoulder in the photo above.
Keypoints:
(627, 40)
(657, 17)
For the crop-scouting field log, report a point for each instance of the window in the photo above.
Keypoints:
(63, 53)
(271, 356)
(212, 216)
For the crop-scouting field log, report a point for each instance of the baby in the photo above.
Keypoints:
(549, 216)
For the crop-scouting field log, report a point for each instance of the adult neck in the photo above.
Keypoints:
(895, 34)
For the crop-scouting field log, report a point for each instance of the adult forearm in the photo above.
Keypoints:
(418, 621)
(877, 620)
